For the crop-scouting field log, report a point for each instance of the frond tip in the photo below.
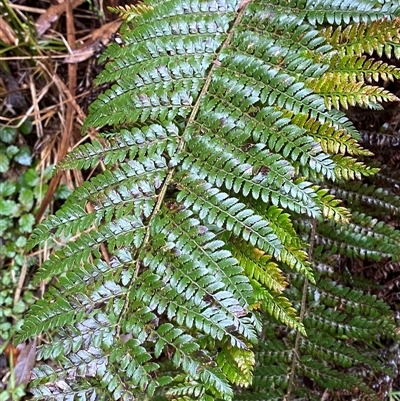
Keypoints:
(129, 12)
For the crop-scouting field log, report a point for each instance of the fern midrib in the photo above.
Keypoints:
(180, 148)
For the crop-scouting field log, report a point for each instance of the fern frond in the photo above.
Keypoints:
(332, 140)
(361, 238)
(331, 207)
(367, 196)
(339, 91)
(380, 36)
(353, 301)
(361, 68)
(129, 12)
(344, 12)
(237, 365)
(116, 147)
(189, 266)
(348, 168)
(255, 172)
(279, 307)
(44, 317)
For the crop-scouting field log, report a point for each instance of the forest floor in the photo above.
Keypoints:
(49, 54)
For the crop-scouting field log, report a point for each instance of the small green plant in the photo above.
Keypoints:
(22, 187)
(17, 198)
(21, 190)
(9, 151)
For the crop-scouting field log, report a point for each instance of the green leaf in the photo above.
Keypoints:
(7, 134)
(26, 222)
(12, 151)
(24, 156)
(62, 192)
(4, 163)
(20, 242)
(26, 127)
(7, 188)
(8, 208)
(5, 223)
(31, 178)
(26, 198)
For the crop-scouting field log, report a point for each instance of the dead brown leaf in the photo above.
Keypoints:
(25, 362)
(100, 37)
(52, 14)
(6, 33)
